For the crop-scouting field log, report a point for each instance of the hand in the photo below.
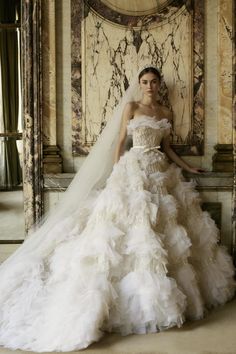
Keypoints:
(196, 170)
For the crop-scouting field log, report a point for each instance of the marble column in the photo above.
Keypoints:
(52, 161)
(223, 159)
(234, 131)
(32, 110)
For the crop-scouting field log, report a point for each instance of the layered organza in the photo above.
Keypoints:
(139, 256)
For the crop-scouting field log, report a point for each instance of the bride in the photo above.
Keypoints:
(128, 249)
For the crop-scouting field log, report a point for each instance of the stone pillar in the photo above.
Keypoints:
(32, 110)
(223, 158)
(52, 161)
(234, 132)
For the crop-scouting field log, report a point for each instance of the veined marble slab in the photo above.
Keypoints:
(109, 47)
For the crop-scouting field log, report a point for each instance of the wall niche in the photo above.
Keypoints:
(111, 40)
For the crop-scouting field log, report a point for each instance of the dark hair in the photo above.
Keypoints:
(150, 70)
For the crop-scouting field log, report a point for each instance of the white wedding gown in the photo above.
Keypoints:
(140, 256)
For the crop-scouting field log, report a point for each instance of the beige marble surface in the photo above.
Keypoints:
(63, 84)
(63, 51)
(211, 87)
(49, 72)
(169, 44)
(225, 54)
(212, 90)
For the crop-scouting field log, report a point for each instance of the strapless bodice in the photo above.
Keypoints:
(147, 131)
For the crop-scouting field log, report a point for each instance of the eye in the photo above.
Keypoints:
(144, 82)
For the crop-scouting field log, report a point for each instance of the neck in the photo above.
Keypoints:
(148, 101)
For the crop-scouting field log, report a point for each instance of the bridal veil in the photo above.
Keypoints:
(92, 175)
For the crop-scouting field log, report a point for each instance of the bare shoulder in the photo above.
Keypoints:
(129, 109)
(167, 113)
(131, 106)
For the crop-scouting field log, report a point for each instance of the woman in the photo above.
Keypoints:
(149, 79)
(128, 251)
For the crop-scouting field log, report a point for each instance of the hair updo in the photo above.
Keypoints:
(149, 70)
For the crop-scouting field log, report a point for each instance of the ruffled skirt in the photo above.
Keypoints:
(140, 256)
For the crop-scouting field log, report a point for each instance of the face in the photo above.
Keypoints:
(149, 84)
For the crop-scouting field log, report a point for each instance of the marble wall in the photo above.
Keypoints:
(109, 47)
(63, 84)
(225, 43)
(63, 52)
(218, 88)
(234, 130)
(49, 72)
(65, 102)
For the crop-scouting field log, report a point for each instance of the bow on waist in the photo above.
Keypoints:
(147, 148)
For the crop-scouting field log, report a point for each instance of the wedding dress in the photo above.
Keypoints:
(138, 256)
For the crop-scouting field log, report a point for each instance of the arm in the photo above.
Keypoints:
(126, 116)
(174, 157)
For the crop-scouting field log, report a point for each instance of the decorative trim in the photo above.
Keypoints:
(32, 110)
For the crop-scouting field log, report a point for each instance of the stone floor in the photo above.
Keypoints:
(11, 215)
(216, 334)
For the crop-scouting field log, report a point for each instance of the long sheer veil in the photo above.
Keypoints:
(92, 175)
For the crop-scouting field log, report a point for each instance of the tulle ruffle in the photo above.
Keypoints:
(139, 257)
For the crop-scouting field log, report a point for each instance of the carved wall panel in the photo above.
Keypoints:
(110, 43)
